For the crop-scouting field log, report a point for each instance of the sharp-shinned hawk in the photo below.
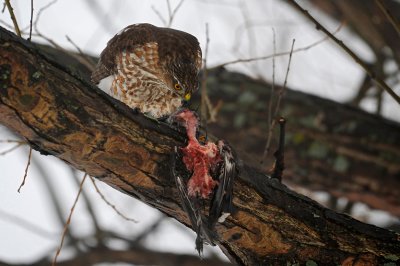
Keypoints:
(150, 68)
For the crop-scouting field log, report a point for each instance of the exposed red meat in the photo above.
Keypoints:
(198, 158)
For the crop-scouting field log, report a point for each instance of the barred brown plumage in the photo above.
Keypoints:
(150, 68)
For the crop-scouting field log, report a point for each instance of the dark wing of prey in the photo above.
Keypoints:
(221, 204)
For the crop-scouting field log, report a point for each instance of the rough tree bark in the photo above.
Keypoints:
(61, 114)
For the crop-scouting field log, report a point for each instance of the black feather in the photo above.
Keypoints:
(221, 203)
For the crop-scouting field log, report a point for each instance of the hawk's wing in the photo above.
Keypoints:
(172, 45)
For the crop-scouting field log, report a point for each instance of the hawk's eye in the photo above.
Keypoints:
(177, 87)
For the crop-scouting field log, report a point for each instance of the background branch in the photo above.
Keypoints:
(379, 81)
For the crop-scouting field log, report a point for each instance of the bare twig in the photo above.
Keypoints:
(164, 22)
(54, 199)
(12, 141)
(85, 59)
(68, 221)
(43, 9)
(277, 107)
(26, 224)
(30, 22)
(250, 34)
(208, 111)
(252, 59)
(149, 230)
(8, 26)
(35, 25)
(379, 81)
(273, 79)
(109, 204)
(13, 18)
(26, 170)
(173, 13)
(169, 10)
(388, 14)
(11, 149)
(88, 206)
(82, 59)
(203, 108)
(270, 125)
(283, 89)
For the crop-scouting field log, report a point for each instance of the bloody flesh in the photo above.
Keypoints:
(198, 158)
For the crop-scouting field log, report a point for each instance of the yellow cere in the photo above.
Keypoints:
(187, 96)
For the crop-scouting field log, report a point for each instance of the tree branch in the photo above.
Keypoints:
(62, 114)
(379, 80)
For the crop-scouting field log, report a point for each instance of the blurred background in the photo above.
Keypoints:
(32, 221)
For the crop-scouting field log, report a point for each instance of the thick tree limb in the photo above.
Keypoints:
(65, 116)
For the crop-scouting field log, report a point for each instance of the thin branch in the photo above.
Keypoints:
(265, 57)
(277, 107)
(12, 141)
(86, 60)
(173, 13)
(26, 170)
(159, 15)
(68, 221)
(269, 119)
(89, 207)
(379, 81)
(13, 18)
(203, 108)
(81, 57)
(207, 107)
(149, 230)
(169, 10)
(54, 199)
(388, 14)
(26, 224)
(11, 149)
(30, 22)
(35, 25)
(283, 89)
(109, 204)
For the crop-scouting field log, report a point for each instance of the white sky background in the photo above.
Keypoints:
(323, 70)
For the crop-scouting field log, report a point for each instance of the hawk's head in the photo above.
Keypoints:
(180, 57)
